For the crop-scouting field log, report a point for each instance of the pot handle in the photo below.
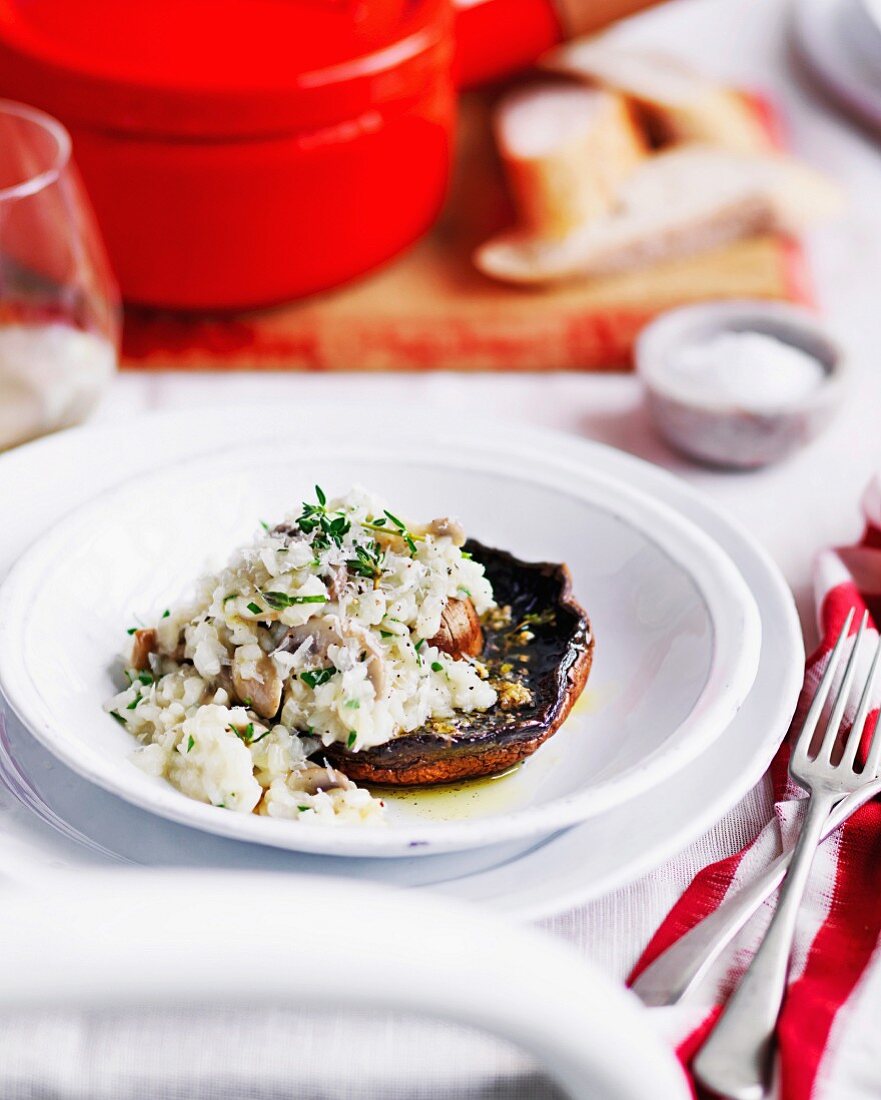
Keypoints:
(495, 38)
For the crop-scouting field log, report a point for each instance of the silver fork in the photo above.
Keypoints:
(736, 1061)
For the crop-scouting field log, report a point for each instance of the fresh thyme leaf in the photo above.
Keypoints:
(190, 742)
(368, 561)
(119, 718)
(353, 704)
(264, 525)
(319, 492)
(257, 740)
(352, 738)
(145, 677)
(132, 630)
(254, 608)
(317, 676)
(230, 596)
(134, 702)
(386, 634)
(303, 809)
(418, 645)
(165, 614)
(400, 526)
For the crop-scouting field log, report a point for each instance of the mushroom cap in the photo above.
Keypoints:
(553, 665)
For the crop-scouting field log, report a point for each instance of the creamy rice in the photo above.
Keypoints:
(319, 632)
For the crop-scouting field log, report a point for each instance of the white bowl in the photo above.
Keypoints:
(678, 633)
(720, 432)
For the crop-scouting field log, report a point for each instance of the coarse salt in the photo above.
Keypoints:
(747, 370)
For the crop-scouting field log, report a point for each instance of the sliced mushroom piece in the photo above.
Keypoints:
(313, 778)
(375, 662)
(256, 681)
(460, 632)
(323, 633)
(143, 644)
(444, 527)
(337, 586)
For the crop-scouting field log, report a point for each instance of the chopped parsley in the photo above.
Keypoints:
(190, 742)
(352, 738)
(278, 601)
(436, 666)
(246, 733)
(254, 608)
(317, 676)
(165, 614)
(353, 704)
(119, 718)
(145, 677)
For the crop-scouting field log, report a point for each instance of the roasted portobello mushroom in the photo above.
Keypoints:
(538, 658)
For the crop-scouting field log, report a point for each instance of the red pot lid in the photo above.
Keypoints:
(218, 67)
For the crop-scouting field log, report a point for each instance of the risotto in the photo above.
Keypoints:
(329, 628)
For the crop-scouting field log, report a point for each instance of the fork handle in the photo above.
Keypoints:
(736, 1060)
(679, 970)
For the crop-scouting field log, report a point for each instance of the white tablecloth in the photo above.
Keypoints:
(742, 40)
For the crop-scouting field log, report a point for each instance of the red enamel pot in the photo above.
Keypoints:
(244, 152)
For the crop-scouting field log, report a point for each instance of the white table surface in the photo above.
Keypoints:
(794, 509)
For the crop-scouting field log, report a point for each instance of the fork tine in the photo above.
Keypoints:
(806, 735)
(856, 732)
(834, 726)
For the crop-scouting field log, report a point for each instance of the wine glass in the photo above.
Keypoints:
(59, 306)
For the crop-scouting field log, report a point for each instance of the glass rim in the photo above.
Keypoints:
(32, 185)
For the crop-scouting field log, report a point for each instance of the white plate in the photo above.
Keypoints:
(56, 819)
(679, 633)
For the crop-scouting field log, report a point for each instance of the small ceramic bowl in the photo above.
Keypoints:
(720, 432)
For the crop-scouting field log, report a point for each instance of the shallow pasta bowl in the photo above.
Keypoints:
(678, 634)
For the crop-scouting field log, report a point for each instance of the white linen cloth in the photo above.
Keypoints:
(276, 1054)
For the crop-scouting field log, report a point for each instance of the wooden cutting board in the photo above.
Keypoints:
(430, 309)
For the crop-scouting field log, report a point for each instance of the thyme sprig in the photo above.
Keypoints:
(398, 527)
(330, 527)
(326, 527)
(368, 561)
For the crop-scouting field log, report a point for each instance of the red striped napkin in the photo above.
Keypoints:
(830, 1028)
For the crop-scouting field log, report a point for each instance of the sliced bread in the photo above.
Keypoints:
(566, 150)
(679, 103)
(679, 203)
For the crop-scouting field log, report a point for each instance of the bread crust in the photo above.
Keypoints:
(576, 180)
